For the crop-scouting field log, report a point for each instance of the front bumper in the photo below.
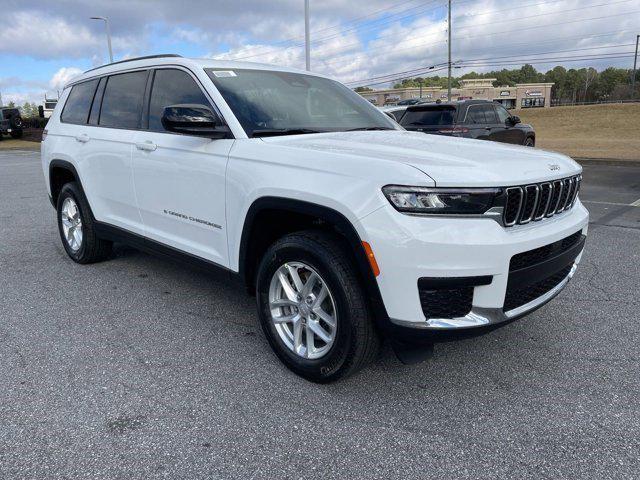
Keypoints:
(408, 248)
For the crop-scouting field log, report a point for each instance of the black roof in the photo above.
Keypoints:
(454, 104)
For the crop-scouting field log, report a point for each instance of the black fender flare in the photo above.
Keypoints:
(331, 217)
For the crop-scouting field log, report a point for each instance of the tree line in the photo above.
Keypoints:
(571, 86)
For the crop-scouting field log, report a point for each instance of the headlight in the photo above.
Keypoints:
(453, 201)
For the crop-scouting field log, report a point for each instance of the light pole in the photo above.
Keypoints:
(106, 22)
(449, 76)
(635, 64)
(307, 41)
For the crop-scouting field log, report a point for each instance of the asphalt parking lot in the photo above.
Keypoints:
(141, 368)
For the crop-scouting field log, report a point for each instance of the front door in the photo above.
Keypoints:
(507, 133)
(180, 179)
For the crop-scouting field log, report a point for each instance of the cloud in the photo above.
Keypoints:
(348, 42)
(63, 76)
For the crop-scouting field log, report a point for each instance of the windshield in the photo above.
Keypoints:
(429, 116)
(270, 102)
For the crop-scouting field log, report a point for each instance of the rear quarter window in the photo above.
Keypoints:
(76, 109)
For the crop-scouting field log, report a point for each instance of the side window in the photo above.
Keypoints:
(490, 113)
(503, 115)
(172, 87)
(76, 109)
(475, 114)
(122, 101)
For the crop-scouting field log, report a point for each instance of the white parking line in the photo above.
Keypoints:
(634, 204)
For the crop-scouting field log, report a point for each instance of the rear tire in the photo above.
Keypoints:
(348, 341)
(77, 227)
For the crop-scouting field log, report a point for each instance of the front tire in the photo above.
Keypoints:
(529, 142)
(312, 308)
(16, 134)
(77, 228)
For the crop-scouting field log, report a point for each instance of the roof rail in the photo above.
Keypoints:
(165, 55)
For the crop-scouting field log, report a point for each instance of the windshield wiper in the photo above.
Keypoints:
(272, 132)
(362, 129)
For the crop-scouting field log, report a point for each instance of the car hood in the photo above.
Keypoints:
(449, 161)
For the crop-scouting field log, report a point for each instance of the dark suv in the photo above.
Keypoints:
(10, 122)
(480, 119)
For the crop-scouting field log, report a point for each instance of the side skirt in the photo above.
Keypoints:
(120, 235)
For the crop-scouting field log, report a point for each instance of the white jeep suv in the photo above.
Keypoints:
(347, 228)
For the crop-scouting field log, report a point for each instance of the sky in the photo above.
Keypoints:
(44, 44)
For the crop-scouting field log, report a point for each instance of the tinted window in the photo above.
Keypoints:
(429, 116)
(397, 114)
(76, 110)
(481, 114)
(503, 115)
(97, 99)
(172, 87)
(122, 101)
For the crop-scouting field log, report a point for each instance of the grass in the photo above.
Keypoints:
(593, 131)
(8, 143)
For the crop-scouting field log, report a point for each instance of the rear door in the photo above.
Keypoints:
(107, 144)
(480, 120)
(180, 179)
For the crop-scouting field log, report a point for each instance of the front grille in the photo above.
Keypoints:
(537, 255)
(516, 297)
(532, 203)
(450, 303)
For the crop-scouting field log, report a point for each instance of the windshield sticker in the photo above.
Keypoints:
(224, 73)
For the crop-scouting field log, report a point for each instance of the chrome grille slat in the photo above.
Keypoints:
(537, 201)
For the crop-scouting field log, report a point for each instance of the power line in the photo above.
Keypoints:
(481, 63)
(413, 47)
(383, 21)
(464, 63)
(338, 25)
(489, 23)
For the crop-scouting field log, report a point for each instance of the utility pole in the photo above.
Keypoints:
(449, 43)
(108, 27)
(635, 64)
(307, 41)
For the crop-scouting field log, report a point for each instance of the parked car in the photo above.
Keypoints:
(412, 101)
(480, 119)
(347, 228)
(10, 122)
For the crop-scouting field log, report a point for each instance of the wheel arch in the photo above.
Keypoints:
(300, 215)
(60, 173)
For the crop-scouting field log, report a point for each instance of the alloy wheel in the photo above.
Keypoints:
(71, 224)
(303, 310)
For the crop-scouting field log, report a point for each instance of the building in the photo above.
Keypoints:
(523, 95)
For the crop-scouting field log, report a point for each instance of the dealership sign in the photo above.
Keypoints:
(533, 93)
(505, 93)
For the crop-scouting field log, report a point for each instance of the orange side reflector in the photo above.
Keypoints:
(372, 259)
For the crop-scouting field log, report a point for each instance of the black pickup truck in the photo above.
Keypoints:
(10, 122)
(480, 119)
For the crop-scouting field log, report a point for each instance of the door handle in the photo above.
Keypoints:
(147, 146)
(83, 138)
(487, 128)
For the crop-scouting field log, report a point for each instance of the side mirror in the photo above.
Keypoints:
(514, 120)
(193, 119)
